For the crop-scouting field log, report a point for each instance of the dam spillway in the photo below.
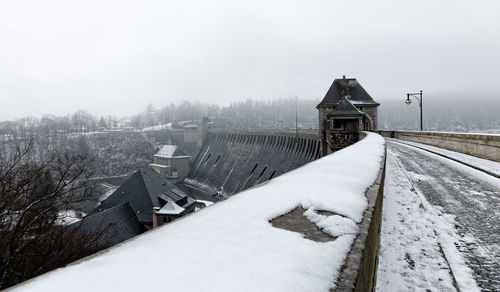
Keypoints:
(231, 161)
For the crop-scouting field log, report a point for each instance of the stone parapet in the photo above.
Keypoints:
(480, 145)
(359, 272)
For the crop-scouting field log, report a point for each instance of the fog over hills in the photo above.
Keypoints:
(457, 113)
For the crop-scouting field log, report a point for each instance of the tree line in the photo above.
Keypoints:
(256, 114)
(441, 113)
(280, 113)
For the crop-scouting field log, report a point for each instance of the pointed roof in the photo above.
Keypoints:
(345, 109)
(142, 191)
(171, 151)
(347, 86)
(170, 208)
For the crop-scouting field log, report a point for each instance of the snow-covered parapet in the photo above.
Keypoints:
(232, 246)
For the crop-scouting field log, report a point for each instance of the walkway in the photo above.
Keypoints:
(440, 227)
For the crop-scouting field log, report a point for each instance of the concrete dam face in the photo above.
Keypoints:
(232, 161)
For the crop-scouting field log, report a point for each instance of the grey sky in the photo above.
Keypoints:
(115, 56)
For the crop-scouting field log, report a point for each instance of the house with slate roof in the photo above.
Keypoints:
(171, 162)
(145, 191)
(345, 110)
(111, 226)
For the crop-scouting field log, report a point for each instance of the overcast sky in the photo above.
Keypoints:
(116, 56)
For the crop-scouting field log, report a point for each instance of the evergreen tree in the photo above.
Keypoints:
(102, 123)
(82, 148)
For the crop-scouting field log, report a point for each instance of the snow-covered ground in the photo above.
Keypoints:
(414, 237)
(440, 224)
(204, 202)
(231, 246)
(480, 163)
(158, 127)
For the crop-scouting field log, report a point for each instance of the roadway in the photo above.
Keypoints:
(440, 223)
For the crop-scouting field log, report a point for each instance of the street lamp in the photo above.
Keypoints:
(418, 96)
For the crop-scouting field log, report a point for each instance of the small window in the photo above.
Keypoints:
(338, 125)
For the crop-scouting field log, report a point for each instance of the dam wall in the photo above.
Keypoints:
(480, 145)
(230, 161)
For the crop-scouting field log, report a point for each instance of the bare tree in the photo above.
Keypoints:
(32, 194)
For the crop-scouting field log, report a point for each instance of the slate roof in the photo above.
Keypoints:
(170, 208)
(345, 109)
(142, 191)
(347, 86)
(116, 224)
(171, 151)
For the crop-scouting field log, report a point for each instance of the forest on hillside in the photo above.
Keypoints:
(441, 113)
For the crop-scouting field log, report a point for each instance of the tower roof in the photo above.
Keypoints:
(345, 109)
(347, 86)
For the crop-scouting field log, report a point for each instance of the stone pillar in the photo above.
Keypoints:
(324, 133)
(202, 130)
(155, 217)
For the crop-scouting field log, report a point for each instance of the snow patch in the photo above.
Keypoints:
(68, 217)
(334, 225)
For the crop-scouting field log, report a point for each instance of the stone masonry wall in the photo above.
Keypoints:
(480, 145)
(359, 272)
(235, 160)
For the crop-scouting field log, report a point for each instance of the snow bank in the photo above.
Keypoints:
(231, 246)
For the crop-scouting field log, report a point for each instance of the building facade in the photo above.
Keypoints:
(171, 162)
(345, 110)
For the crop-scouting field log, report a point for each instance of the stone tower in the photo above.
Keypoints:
(357, 108)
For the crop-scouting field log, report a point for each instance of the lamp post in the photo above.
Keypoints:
(417, 96)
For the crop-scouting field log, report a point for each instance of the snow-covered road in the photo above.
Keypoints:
(440, 228)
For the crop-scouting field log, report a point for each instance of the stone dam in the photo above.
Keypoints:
(230, 161)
